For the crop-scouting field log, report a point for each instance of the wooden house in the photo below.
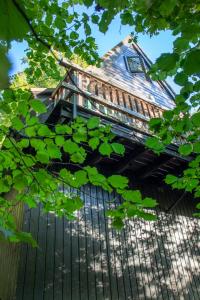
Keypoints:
(88, 259)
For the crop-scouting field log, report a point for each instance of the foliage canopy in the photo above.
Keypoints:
(29, 147)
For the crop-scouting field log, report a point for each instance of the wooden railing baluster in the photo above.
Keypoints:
(120, 98)
(80, 85)
(107, 99)
(114, 96)
(146, 112)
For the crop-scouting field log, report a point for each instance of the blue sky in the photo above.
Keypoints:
(153, 47)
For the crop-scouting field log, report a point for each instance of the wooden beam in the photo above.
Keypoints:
(94, 159)
(127, 161)
(150, 169)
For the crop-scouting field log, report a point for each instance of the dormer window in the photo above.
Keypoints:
(134, 64)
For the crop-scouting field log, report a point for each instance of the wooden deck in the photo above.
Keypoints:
(88, 259)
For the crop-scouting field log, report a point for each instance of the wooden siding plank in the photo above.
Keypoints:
(111, 255)
(41, 257)
(117, 260)
(23, 257)
(75, 258)
(96, 246)
(50, 258)
(58, 275)
(67, 263)
(106, 272)
(83, 251)
(90, 246)
(131, 263)
(168, 255)
(29, 281)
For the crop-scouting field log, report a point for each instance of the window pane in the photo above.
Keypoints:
(134, 64)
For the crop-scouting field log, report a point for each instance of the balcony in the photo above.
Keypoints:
(86, 90)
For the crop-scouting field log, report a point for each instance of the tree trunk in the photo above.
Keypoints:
(9, 256)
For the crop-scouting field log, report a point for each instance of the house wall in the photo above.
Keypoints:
(114, 71)
(88, 259)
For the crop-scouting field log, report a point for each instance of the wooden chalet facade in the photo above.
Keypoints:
(88, 259)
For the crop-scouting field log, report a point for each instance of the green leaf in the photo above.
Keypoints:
(196, 119)
(181, 44)
(147, 216)
(30, 201)
(155, 123)
(154, 144)
(185, 149)
(198, 206)
(13, 25)
(81, 178)
(93, 122)
(88, 3)
(23, 237)
(196, 147)
(167, 61)
(105, 149)
(149, 202)
(117, 223)
(97, 179)
(133, 196)
(127, 18)
(77, 157)
(191, 184)
(94, 142)
(192, 62)
(166, 8)
(20, 182)
(63, 129)
(170, 179)
(181, 78)
(42, 156)
(70, 147)
(118, 148)
(30, 131)
(38, 106)
(37, 144)
(87, 29)
(95, 19)
(44, 131)
(118, 181)
(24, 143)
(59, 140)
(5, 63)
(74, 35)
(53, 151)
(17, 123)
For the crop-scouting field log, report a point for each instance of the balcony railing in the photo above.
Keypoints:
(104, 98)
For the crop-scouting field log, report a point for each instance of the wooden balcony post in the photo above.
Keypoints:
(74, 96)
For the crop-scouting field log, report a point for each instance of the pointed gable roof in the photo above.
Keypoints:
(114, 70)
